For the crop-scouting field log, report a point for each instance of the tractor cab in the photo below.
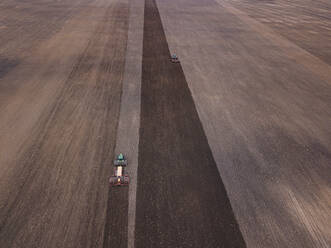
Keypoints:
(120, 160)
(174, 58)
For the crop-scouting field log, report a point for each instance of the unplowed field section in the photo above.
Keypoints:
(181, 200)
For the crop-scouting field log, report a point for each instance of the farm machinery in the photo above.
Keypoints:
(174, 58)
(119, 177)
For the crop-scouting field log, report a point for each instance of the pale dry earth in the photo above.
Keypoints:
(264, 98)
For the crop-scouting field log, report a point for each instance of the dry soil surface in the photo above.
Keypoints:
(62, 66)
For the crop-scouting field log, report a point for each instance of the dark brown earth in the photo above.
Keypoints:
(116, 228)
(181, 200)
(58, 119)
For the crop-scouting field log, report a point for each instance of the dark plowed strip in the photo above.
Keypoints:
(116, 231)
(181, 200)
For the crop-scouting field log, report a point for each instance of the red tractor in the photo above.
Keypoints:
(119, 178)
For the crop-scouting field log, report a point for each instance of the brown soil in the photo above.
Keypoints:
(116, 228)
(58, 118)
(181, 200)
